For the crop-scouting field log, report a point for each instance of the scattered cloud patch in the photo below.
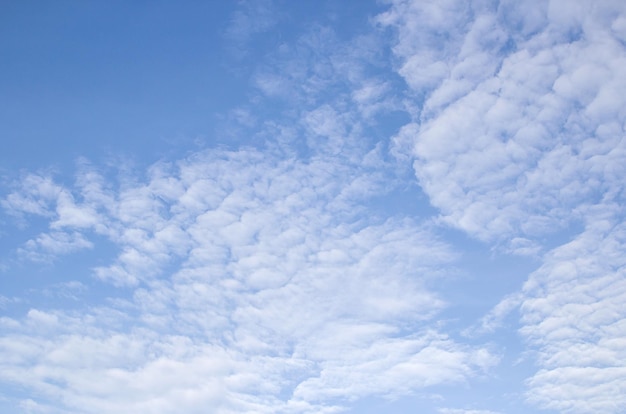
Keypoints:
(280, 296)
(275, 274)
(520, 135)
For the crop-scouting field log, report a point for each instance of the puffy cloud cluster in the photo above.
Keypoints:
(574, 315)
(264, 280)
(517, 130)
(257, 285)
(518, 134)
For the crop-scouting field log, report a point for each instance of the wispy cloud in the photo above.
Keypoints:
(250, 18)
(573, 313)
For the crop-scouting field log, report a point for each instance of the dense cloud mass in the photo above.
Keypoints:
(267, 277)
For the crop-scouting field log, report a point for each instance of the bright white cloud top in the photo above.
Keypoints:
(414, 206)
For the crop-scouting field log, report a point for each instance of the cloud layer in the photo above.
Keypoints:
(257, 285)
(520, 136)
(266, 277)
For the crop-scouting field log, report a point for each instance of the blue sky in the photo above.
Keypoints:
(313, 207)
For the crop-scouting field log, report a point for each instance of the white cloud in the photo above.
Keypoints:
(373, 97)
(250, 18)
(318, 68)
(259, 280)
(278, 296)
(573, 313)
(494, 319)
(465, 411)
(521, 136)
(47, 246)
(511, 142)
(33, 197)
(72, 215)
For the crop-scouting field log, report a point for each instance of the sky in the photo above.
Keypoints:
(258, 206)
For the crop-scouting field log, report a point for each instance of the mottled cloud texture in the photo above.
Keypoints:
(521, 135)
(266, 278)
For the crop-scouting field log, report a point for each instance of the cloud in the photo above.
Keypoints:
(515, 134)
(262, 278)
(573, 315)
(250, 18)
(519, 136)
(257, 285)
(46, 246)
(465, 411)
(34, 196)
(4, 301)
(494, 319)
(319, 68)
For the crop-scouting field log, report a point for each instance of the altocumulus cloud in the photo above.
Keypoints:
(266, 279)
(284, 298)
(520, 134)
